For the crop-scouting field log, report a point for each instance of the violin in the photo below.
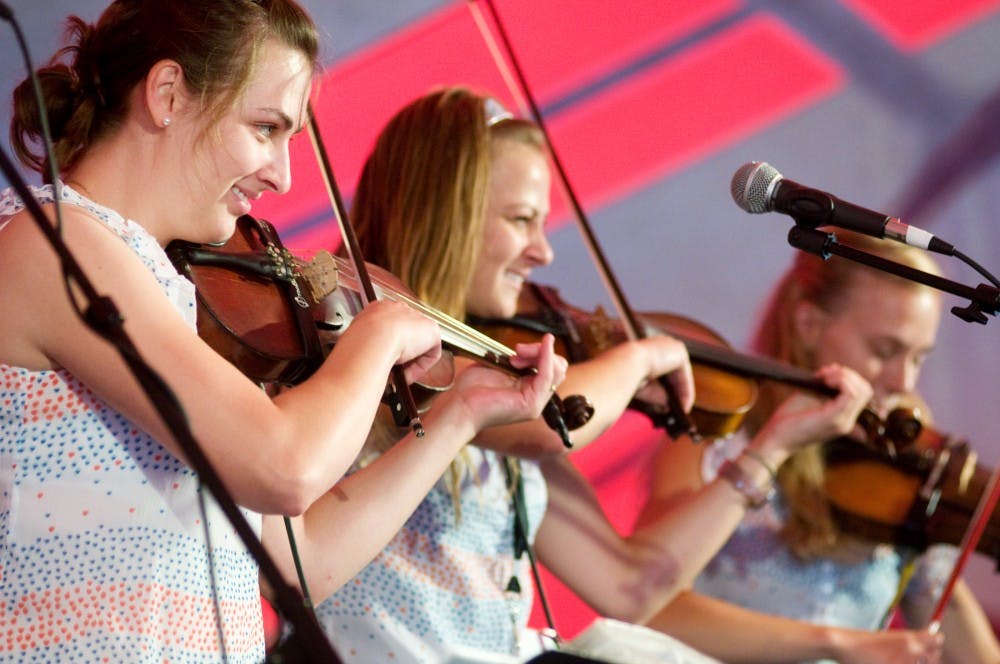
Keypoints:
(725, 389)
(920, 490)
(300, 308)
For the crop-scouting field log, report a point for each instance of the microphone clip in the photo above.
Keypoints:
(974, 312)
(983, 299)
(808, 207)
(804, 236)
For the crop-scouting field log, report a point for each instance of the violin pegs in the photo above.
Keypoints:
(577, 410)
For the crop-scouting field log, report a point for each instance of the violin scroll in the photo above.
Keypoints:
(896, 433)
(575, 411)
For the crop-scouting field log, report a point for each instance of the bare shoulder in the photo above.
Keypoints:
(36, 290)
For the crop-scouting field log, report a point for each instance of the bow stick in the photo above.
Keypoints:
(400, 398)
(984, 509)
(675, 421)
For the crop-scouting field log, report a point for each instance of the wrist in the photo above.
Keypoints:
(750, 478)
(770, 446)
(830, 642)
(450, 413)
(639, 358)
(763, 461)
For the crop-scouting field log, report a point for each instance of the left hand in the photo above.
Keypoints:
(803, 419)
(493, 397)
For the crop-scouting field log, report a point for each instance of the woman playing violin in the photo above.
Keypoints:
(169, 119)
(790, 558)
(453, 199)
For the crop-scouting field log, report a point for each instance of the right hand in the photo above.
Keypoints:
(416, 339)
(897, 646)
(666, 356)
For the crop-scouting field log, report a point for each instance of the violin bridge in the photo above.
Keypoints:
(601, 329)
(319, 275)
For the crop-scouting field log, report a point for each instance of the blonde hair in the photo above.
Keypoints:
(810, 529)
(420, 206)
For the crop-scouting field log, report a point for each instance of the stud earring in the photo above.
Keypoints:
(166, 122)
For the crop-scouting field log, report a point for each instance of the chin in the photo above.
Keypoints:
(505, 307)
(222, 229)
(497, 310)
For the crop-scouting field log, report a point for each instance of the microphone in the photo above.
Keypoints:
(759, 187)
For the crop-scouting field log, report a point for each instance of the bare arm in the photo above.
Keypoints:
(686, 521)
(609, 381)
(734, 634)
(349, 525)
(643, 571)
(274, 456)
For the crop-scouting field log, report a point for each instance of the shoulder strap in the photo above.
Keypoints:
(515, 482)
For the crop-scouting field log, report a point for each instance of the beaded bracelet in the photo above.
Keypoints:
(755, 496)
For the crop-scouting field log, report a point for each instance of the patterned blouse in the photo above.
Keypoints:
(756, 570)
(103, 550)
(437, 591)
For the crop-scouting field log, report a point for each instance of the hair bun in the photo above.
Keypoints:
(86, 64)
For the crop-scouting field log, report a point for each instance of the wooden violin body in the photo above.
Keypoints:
(926, 493)
(275, 316)
(724, 386)
(254, 307)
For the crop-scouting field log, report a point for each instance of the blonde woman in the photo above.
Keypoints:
(794, 586)
(453, 199)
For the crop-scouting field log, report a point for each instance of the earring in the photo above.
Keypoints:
(166, 122)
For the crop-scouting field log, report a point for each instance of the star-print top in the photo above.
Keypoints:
(756, 569)
(103, 556)
(437, 591)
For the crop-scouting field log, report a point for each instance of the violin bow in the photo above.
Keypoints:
(984, 509)
(400, 398)
(675, 422)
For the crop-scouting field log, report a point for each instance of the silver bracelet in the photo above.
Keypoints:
(755, 496)
(756, 456)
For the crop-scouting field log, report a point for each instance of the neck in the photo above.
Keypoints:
(116, 173)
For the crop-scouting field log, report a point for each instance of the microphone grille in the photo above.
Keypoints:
(752, 185)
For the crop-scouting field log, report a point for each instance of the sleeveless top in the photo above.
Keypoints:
(437, 591)
(756, 570)
(103, 549)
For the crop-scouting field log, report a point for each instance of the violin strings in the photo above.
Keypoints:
(446, 322)
(453, 325)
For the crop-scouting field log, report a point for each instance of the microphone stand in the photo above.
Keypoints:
(102, 316)
(983, 299)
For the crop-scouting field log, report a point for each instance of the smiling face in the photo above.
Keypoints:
(246, 154)
(880, 328)
(514, 240)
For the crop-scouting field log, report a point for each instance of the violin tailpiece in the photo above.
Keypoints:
(319, 275)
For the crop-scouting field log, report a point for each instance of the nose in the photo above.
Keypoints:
(899, 377)
(277, 174)
(539, 250)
